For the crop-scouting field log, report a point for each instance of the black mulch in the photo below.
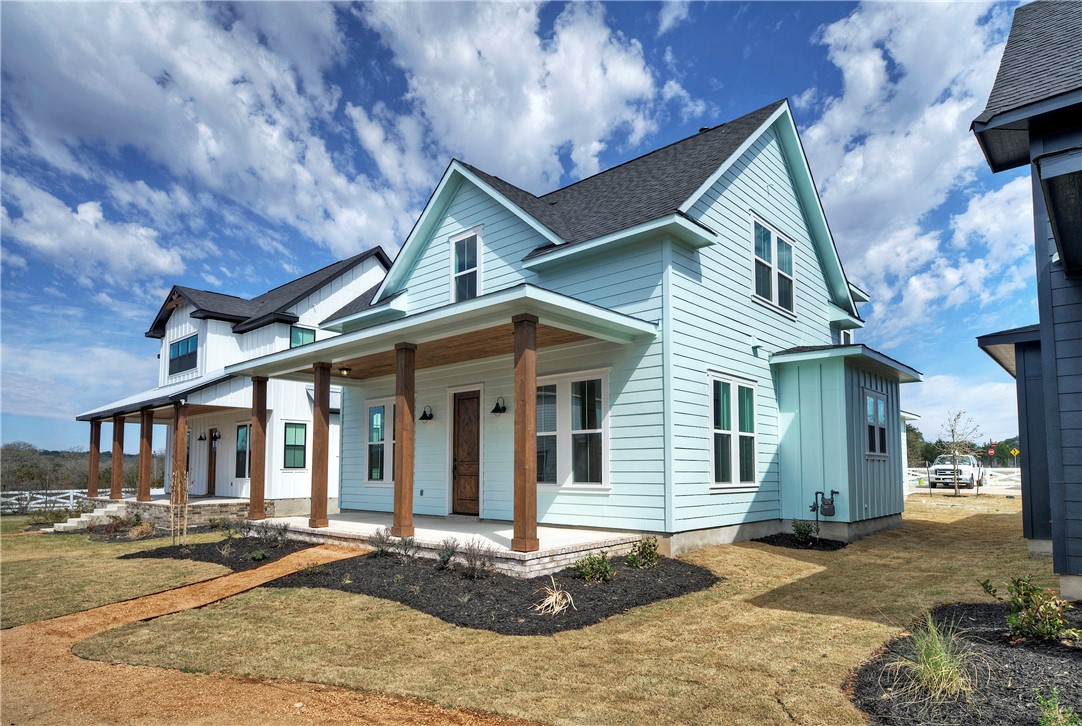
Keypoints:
(500, 603)
(1006, 674)
(787, 539)
(237, 556)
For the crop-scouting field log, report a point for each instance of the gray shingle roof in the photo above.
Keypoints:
(1043, 57)
(261, 310)
(361, 303)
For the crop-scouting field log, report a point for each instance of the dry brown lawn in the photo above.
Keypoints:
(772, 643)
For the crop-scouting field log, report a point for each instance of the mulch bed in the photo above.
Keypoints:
(787, 539)
(237, 556)
(500, 603)
(1006, 674)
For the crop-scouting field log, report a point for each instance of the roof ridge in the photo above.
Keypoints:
(663, 148)
(214, 292)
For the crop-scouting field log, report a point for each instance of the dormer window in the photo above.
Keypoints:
(183, 354)
(773, 267)
(465, 266)
(299, 336)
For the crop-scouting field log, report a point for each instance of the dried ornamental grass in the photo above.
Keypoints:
(556, 600)
(935, 665)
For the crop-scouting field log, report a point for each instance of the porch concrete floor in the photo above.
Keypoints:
(559, 546)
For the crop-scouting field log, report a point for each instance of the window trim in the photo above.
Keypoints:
(286, 446)
(736, 384)
(195, 355)
(775, 271)
(248, 449)
(565, 469)
(388, 404)
(301, 327)
(452, 275)
(881, 431)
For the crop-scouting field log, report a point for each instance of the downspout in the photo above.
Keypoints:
(667, 383)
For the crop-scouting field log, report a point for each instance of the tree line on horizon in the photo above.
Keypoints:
(24, 466)
(922, 452)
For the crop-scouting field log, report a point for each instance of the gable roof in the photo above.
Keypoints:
(270, 307)
(1040, 73)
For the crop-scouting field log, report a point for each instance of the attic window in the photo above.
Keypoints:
(183, 354)
(299, 336)
(465, 266)
(773, 273)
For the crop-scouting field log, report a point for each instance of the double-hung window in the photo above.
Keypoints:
(774, 281)
(875, 420)
(381, 441)
(299, 336)
(244, 450)
(732, 410)
(296, 439)
(465, 265)
(572, 421)
(183, 354)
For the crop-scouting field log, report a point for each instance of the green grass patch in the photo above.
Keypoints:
(10, 523)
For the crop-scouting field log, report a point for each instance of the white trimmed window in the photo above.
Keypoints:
(183, 354)
(572, 430)
(732, 442)
(773, 274)
(875, 422)
(381, 442)
(244, 450)
(465, 265)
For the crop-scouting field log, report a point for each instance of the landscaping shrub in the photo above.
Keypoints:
(644, 554)
(446, 553)
(1053, 713)
(595, 568)
(1035, 613)
(141, 531)
(257, 555)
(272, 535)
(406, 547)
(556, 600)
(803, 530)
(477, 557)
(380, 541)
(313, 570)
(53, 516)
(934, 664)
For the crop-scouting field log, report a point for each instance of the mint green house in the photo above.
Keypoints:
(664, 347)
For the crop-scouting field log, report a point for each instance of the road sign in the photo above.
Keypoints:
(1015, 452)
(991, 452)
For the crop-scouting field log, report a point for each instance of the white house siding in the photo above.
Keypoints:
(332, 297)
(714, 321)
(180, 326)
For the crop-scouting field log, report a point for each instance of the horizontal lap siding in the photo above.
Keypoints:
(1066, 293)
(714, 321)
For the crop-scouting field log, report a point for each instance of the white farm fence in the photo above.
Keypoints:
(992, 477)
(29, 501)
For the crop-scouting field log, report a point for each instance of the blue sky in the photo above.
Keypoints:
(234, 147)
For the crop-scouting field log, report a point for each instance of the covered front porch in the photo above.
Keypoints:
(491, 343)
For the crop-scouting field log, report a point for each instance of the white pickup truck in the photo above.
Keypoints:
(970, 471)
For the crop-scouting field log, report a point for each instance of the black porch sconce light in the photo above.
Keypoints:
(202, 437)
(215, 436)
(499, 407)
(426, 415)
(344, 372)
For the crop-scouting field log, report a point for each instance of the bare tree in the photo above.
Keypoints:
(956, 438)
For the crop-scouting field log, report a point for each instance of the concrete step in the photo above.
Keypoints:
(100, 515)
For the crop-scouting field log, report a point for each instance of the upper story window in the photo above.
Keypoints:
(774, 280)
(465, 266)
(733, 432)
(299, 336)
(572, 446)
(875, 420)
(183, 354)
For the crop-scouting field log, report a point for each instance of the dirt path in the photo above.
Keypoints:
(42, 682)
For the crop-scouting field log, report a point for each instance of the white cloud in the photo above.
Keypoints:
(672, 13)
(689, 107)
(991, 404)
(82, 242)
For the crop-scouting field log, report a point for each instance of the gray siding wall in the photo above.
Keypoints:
(1036, 510)
(874, 489)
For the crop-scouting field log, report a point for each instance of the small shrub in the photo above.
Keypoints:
(347, 579)
(141, 531)
(803, 530)
(477, 557)
(397, 579)
(556, 600)
(595, 568)
(226, 550)
(406, 547)
(313, 570)
(257, 555)
(380, 541)
(1053, 713)
(644, 554)
(53, 516)
(218, 522)
(933, 665)
(446, 553)
(1035, 613)
(271, 534)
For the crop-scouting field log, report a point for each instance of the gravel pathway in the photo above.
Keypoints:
(42, 682)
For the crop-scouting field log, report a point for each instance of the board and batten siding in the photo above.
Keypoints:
(180, 325)
(718, 327)
(332, 297)
(874, 489)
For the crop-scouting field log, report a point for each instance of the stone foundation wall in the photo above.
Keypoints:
(199, 512)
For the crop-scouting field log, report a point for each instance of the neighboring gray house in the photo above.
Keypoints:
(1034, 116)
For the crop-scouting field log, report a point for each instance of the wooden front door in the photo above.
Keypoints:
(212, 460)
(466, 461)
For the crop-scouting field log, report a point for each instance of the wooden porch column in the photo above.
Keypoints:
(321, 432)
(118, 458)
(95, 459)
(180, 444)
(146, 463)
(525, 505)
(258, 473)
(406, 366)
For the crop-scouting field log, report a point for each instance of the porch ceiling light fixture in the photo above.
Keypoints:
(344, 371)
(426, 415)
(499, 407)
(202, 437)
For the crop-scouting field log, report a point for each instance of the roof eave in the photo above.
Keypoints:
(250, 324)
(899, 371)
(389, 310)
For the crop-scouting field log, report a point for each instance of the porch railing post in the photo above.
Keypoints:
(405, 371)
(321, 422)
(524, 537)
(95, 459)
(146, 439)
(118, 458)
(258, 466)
